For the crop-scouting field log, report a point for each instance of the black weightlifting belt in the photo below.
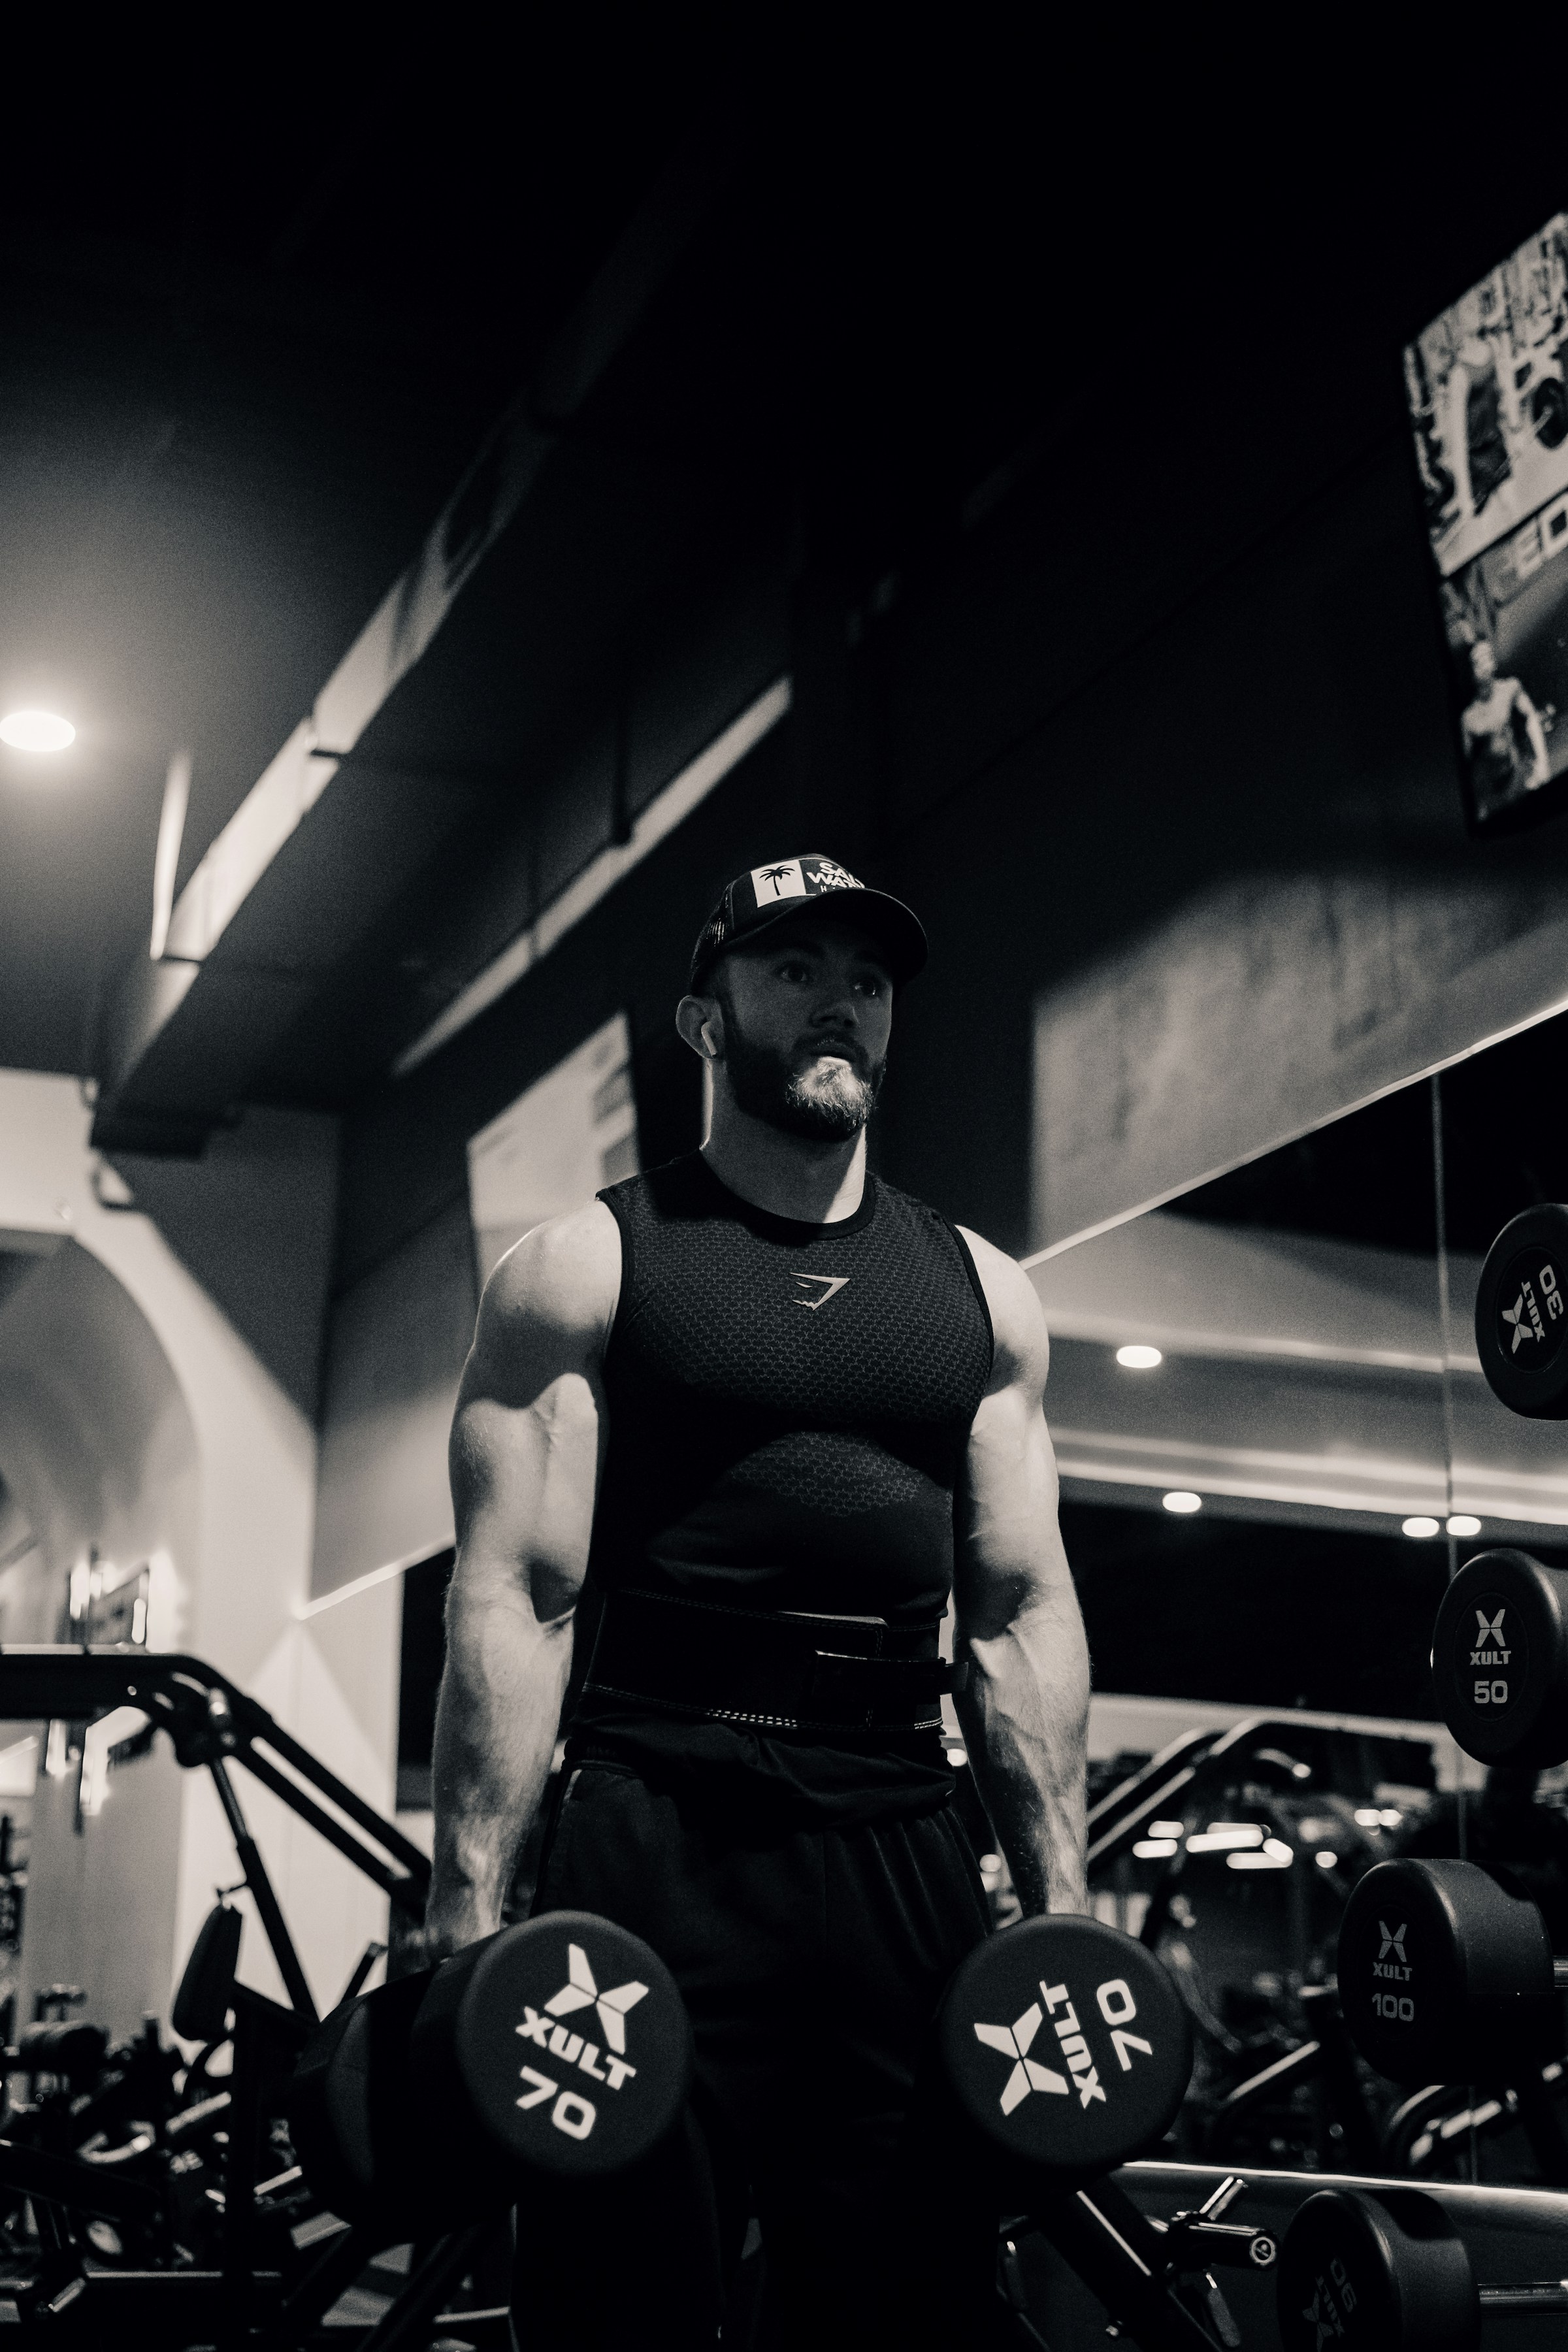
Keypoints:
(772, 1669)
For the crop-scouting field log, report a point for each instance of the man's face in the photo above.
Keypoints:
(806, 1017)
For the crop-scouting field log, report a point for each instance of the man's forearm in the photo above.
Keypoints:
(1025, 1712)
(496, 1726)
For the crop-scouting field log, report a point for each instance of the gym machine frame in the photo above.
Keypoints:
(212, 1724)
(1121, 1815)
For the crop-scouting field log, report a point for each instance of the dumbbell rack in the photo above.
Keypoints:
(210, 1725)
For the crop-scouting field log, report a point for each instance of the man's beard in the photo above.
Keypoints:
(790, 1093)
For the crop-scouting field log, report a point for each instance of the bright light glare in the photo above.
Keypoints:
(1221, 1836)
(1327, 1861)
(1420, 1528)
(1185, 1504)
(1167, 1829)
(1138, 1359)
(1461, 1524)
(1276, 1855)
(1154, 1849)
(1369, 1817)
(35, 730)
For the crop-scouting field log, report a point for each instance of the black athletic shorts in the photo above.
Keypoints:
(811, 1964)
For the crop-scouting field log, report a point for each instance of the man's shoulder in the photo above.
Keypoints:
(565, 1274)
(1018, 1318)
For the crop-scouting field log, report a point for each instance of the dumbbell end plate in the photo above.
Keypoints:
(1521, 1313)
(1376, 2274)
(1066, 2046)
(1500, 1659)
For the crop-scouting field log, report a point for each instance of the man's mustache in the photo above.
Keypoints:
(847, 1049)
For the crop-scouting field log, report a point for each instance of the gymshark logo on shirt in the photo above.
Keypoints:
(826, 1286)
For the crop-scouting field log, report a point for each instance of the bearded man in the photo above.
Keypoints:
(764, 1413)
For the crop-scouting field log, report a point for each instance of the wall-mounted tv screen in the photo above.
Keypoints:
(1488, 387)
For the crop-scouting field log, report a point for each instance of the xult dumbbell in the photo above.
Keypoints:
(1389, 2274)
(1445, 1976)
(557, 2051)
(1063, 2049)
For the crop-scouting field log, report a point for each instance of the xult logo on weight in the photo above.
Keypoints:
(573, 2114)
(1538, 1304)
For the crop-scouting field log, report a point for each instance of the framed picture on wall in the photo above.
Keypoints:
(1487, 384)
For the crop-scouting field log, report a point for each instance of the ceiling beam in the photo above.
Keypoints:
(323, 843)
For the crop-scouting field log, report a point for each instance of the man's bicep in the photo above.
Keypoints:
(1010, 1548)
(529, 1432)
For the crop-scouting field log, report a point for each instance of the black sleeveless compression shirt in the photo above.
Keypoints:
(789, 1406)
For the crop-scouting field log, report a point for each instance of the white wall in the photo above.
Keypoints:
(394, 1355)
(229, 1461)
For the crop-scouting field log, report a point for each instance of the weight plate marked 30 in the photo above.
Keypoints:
(1530, 1312)
(1521, 1313)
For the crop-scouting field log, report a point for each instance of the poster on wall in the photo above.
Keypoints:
(572, 1133)
(1487, 384)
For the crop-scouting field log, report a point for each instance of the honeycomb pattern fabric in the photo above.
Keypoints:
(789, 1404)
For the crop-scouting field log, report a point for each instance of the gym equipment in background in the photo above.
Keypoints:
(1445, 1974)
(1500, 1659)
(1063, 2049)
(212, 1725)
(1522, 1315)
(1390, 2273)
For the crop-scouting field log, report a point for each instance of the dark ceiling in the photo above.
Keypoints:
(255, 330)
(253, 334)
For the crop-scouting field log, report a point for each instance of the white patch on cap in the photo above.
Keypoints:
(828, 875)
(773, 882)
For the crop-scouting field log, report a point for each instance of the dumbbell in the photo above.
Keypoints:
(1521, 1313)
(1445, 1976)
(1500, 1659)
(1390, 2273)
(1063, 2049)
(559, 2049)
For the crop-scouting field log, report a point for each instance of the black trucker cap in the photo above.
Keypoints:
(753, 902)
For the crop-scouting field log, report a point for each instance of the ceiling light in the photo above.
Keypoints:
(1461, 1524)
(1420, 1528)
(1154, 1849)
(35, 730)
(1138, 1359)
(1327, 1861)
(1185, 1504)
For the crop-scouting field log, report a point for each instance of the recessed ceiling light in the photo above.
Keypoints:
(1461, 1524)
(35, 730)
(1138, 1359)
(1420, 1528)
(1182, 1504)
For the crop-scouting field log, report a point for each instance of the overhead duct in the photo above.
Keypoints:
(323, 844)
